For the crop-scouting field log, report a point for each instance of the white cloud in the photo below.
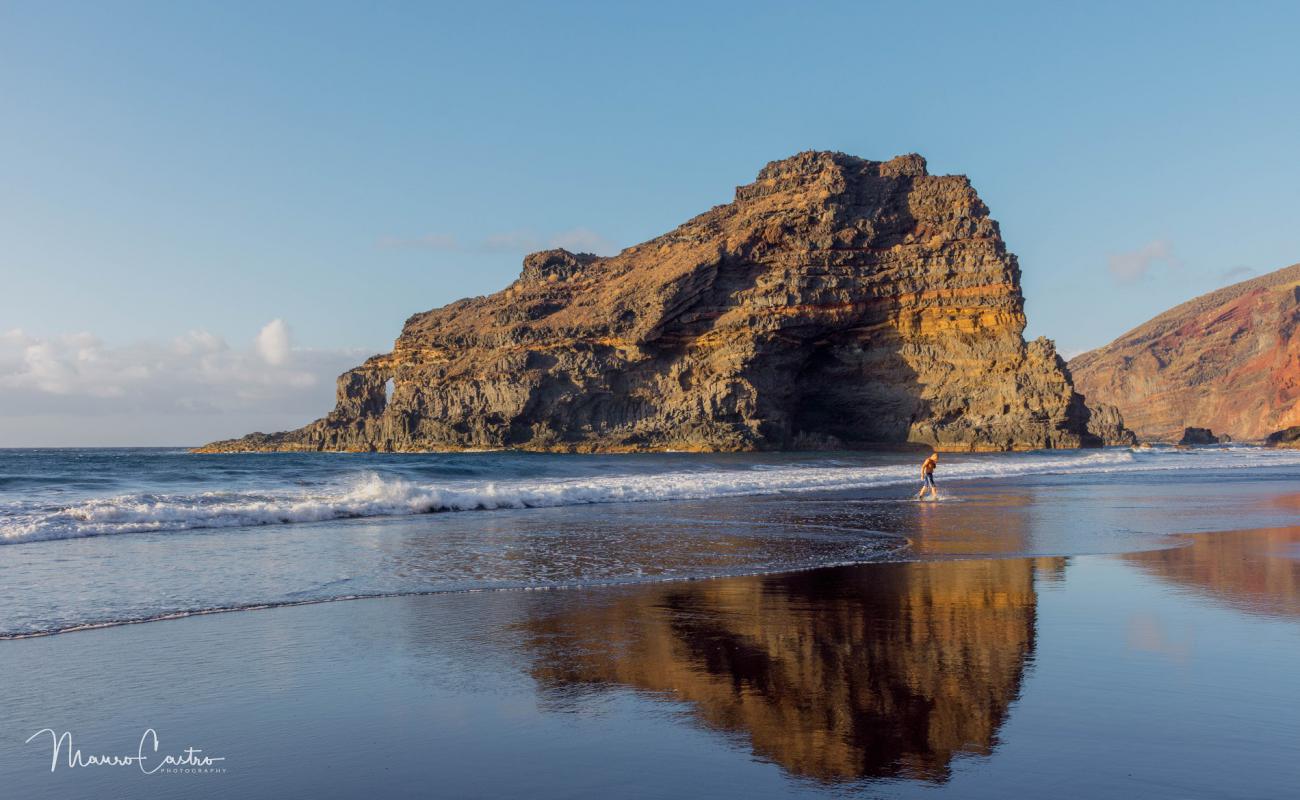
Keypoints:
(197, 342)
(273, 342)
(186, 390)
(1134, 265)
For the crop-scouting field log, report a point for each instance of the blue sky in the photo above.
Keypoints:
(174, 170)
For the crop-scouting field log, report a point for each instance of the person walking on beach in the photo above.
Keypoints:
(927, 474)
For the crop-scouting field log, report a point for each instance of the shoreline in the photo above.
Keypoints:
(1176, 541)
(156, 576)
(398, 496)
(967, 676)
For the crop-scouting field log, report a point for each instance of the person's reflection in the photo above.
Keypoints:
(885, 670)
(1255, 570)
(972, 526)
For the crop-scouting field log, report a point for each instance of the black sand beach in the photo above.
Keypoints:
(619, 401)
(1162, 674)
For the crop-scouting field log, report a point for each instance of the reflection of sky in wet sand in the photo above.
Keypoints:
(1101, 676)
(839, 675)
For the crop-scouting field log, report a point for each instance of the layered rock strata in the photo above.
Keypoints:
(836, 302)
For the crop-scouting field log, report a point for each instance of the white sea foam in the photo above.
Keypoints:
(373, 495)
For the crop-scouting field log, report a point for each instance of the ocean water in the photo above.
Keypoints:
(96, 537)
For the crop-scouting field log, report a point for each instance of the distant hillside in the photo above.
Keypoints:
(1228, 360)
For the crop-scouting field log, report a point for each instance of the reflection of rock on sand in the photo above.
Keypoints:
(877, 671)
(1256, 570)
(976, 526)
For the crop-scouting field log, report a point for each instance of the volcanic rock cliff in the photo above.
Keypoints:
(836, 302)
(1228, 360)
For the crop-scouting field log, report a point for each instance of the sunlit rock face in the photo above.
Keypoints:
(1228, 360)
(836, 302)
(841, 675)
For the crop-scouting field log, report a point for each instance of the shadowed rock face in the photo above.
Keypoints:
(1287, 437)
(886, 671)
(837, 302)
(1202, 436)
(1228, 360)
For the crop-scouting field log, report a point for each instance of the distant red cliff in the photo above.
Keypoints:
(1228, 360)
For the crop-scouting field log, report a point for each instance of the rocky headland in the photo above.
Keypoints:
(1287, 437)
(1193, 436)
(1228, 360)
(835, 303)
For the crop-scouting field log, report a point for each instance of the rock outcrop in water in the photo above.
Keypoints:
(1287, 437)
(1229, 360)
(837, 302)
(1202, 436)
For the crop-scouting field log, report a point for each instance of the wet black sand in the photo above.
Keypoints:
(1161, 674)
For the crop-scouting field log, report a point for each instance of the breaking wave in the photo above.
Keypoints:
(375, 495)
